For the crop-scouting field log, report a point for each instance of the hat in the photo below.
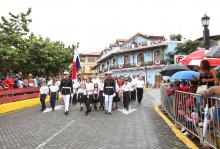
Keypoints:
(66, 73)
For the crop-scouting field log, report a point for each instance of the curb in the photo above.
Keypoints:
(176, 131)
(13, 106)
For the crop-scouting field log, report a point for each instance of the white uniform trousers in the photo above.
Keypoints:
(66, 99)
(108, 102)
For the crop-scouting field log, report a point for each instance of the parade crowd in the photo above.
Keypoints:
(192, 98)
(98, 93)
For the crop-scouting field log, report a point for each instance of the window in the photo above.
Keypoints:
(91, 59)
(158, 56)
(84, 69)
(140, 59)
(127, 60)
(82, 59)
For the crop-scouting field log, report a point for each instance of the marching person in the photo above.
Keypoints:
(133, 82)
(66, 88)
(109, 92)
(100, 96)
(75, 88)
(81, 94)
(96, 92)
(43, 93)
(140, 89)
(90, 97)
(116, 98)
(126, 87)
(53, 94)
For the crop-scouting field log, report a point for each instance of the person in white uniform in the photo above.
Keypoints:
(109, 92)
(53, 94)
(66, 88)
(44, 90)
(126, 88)
(140, 88)
(90, 97)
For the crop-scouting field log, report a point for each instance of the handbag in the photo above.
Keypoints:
(201, 89)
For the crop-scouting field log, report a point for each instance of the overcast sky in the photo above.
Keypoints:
(97, 23)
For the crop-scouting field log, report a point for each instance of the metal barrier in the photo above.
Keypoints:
(194, 115)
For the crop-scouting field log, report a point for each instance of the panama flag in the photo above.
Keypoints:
(75, 65)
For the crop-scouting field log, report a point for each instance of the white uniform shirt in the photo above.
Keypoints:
(75, 86)
(44, 90)
(58, 83)
(95, 81)
(54, 88)
(81, 90)
(101, 86)
(125, 88)
(140, 84)
(133, 84)
(89, 88)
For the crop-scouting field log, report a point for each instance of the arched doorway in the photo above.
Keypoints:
(140, 59)
(158, 78)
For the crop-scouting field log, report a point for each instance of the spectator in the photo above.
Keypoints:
(207, 74)
(10, 81)
(171, 89)
(30, 80)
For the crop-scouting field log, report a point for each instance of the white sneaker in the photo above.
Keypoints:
(186, 133)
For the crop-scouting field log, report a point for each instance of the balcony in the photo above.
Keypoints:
(131, 65)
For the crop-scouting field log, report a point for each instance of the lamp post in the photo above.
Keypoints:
(205, 23)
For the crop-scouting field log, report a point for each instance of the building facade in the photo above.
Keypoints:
(87, 61)
(139, 55)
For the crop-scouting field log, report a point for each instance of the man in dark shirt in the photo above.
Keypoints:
(66, 88)
(109, 92)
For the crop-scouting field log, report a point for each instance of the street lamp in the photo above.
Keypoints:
(205, 23)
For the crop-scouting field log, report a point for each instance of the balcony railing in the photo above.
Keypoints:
(131, 65)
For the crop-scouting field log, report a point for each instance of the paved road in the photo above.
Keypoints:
(141, 129)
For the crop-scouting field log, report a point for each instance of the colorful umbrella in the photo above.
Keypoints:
(185, 75)
(214, 52)
(195, 58)
(196, 55)
(169, 70)
(212, 62)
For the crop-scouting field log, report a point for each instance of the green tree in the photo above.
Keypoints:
(23, 51)
(183, 49)
(175, 37)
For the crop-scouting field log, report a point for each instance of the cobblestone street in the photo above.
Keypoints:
(140, 129)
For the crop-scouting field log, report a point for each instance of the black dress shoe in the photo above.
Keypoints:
(81, 108)
(52, 109)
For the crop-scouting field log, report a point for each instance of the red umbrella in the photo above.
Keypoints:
(196, 57)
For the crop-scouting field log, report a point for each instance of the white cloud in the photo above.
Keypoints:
(97, 23)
